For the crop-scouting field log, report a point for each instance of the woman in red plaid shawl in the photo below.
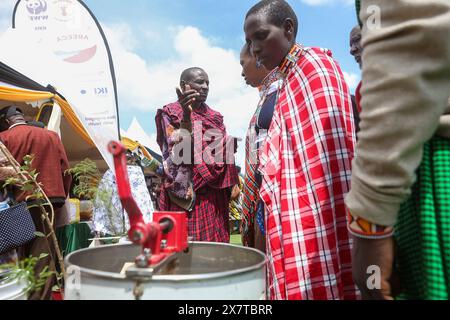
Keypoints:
(252, 226)
(305, 162)
(198, 160)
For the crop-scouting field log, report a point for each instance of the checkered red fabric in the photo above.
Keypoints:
(209, 221)
(306, 167)
(212, 170)
(358, 96)
(251, 187)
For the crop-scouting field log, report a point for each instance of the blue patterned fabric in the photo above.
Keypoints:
(260, 217)
(16, 227)
(109, 216)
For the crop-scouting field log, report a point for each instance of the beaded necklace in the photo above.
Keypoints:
(291, 59)
(272, 77)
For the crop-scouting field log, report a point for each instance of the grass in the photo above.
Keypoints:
(236, 239)
(235, 236)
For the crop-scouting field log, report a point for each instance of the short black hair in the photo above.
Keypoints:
(186, 74)
(276, 11)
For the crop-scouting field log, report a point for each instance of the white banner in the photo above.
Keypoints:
(66, 45)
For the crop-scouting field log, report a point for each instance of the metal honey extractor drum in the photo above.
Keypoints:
(209, 271)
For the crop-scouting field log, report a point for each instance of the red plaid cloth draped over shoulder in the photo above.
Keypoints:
(212, 178)
(216, 169)
(251, 187)
(306, 167)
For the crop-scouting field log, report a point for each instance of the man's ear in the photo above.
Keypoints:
(289, 29)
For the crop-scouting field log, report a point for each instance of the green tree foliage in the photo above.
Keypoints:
(87, 177)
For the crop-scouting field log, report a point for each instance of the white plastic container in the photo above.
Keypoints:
(210, 271)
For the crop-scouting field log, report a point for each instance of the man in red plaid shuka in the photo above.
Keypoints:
(198, 157)
(305, 162)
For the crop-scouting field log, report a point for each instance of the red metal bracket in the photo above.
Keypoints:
(167, 234)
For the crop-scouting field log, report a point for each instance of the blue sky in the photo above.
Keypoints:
(152, 41)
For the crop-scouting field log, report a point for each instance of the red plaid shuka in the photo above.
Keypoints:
(251, 187)
(306, 167)
(358, 96)
(208, 221)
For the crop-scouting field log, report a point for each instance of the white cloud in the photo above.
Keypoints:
(6, 11)
(151, 35)
(327, 2)
(148, 86)
(352, 80)
(144, 85)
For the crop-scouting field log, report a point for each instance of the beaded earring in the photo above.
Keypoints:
(258, 64)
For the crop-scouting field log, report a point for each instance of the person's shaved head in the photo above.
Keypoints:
(276, 12)
(356, 49)
(195, 79)
(187, 74)
(356, 28)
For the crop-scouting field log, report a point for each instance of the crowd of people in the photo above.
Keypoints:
(348, 195)
(324, 209)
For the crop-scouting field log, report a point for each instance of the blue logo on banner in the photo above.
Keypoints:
(36, 6)
(101, 91)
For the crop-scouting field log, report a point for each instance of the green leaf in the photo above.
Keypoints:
(28, 187)
(38, 195)
(39, 234)
(43, 255)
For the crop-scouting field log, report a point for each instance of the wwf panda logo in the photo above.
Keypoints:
(36, 6)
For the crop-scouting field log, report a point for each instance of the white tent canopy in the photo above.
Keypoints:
(136, 132)
(54, 117)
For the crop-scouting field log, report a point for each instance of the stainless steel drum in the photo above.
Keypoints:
(209, 271)
(12, 289)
